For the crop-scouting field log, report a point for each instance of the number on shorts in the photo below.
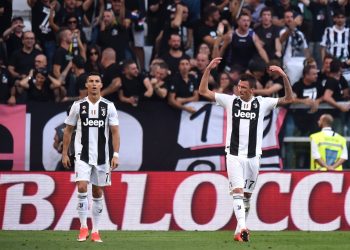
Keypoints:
(250, 184)
(107, 176)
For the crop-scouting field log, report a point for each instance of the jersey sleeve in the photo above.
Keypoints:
(73, 116)
(270, 102)
(113, 119)
(222, 99)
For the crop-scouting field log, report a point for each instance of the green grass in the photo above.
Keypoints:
(140, 240)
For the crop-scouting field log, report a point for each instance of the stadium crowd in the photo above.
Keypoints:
(70, 38)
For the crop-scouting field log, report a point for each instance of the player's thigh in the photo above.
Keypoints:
(251, 174)
(101, 175)
(234, 172)
(82, 171)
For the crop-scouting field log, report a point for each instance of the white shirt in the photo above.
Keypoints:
(245, 123)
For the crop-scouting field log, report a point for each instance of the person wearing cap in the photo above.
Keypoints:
(13, 35)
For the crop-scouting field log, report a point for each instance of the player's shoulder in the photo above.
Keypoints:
(106, 101)
(80, 101)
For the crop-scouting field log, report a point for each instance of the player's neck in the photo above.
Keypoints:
(94, 98)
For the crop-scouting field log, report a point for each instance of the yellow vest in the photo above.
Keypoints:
(330, 148)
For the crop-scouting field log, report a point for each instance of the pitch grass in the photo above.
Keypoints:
(144, 240)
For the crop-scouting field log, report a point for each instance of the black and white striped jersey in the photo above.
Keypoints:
(244, 129)
(92, 132)
(337, 42)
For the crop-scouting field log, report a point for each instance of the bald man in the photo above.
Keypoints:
(111, 75)
(328, 148)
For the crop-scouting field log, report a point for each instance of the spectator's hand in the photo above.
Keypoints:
(114, 163)
(214, 63)
(220, 29)
(278, 70)
(66, 161)
(148, 93)
(298, 20)
(53, 5)
(345, 108)
(154, 82)
(314, 106)
(190, 109)
(11, 101)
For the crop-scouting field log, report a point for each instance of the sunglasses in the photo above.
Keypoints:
(71, 22)
(93, 53)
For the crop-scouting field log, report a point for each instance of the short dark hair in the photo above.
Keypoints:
(335, 66)
(250, 79)
(17, 18)
(338, 12)
(257, 65)
(265, 9)
(94, 73)
(79, 61)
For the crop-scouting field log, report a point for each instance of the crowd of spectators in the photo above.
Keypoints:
(69, 38)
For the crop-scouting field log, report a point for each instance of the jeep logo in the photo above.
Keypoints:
(245, 114)
(93, 122)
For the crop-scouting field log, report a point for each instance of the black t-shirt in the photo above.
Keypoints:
(268, 36)
(116, 37)
(201, 32)
(40, 22)
(22, 61)
(111, 72)
(182, 88)
(133, 87)
(173, 62)
(62, 57)
(13, 43)
(320, 19)
(5, 85)
(39, 95)
(313, 91)
(167, 32)
(337, 86)
(62, 15)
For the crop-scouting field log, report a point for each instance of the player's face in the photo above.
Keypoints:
(94, 85)
(245, 92)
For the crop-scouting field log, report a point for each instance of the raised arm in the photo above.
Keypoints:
(203, 86)
(288, 93)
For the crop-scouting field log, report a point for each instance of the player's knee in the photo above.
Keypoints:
(237, 192)
(82, 186)
(97, 192)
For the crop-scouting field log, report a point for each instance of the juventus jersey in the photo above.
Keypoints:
(244, 130)
(92, 121)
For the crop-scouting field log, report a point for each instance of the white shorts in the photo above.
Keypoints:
(139, 37)
(98, 175)
(242, 172)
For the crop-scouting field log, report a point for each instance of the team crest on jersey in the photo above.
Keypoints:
(84, 110)
(103, 111)
(255, 105)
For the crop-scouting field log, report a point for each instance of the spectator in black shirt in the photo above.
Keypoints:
(22, 60)
(173, 56)
(310, 93)
(79, 41)
(69, 7)
(93, 59)
(42, 29)
(111, 75)
(114, 35)
(39, 86)
(336, 90)
(13, 36)
(160, 81)
(183, 88)
(269, 34)
(63, 54)
(135, 86)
